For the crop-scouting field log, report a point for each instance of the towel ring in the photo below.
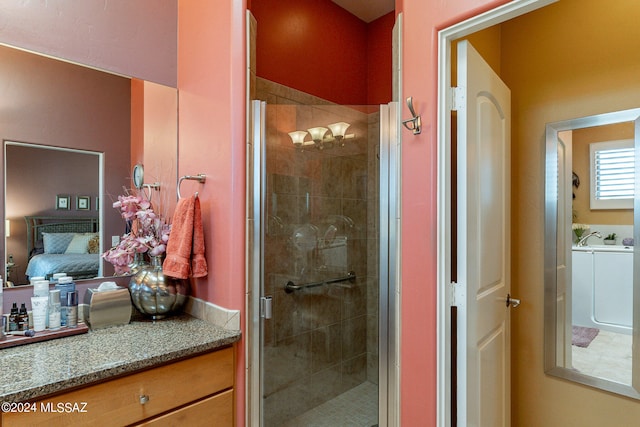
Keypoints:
(201, 178)
(149, 195)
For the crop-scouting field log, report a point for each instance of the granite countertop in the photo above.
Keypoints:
(32, 371)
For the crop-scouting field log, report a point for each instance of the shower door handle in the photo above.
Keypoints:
(266, 307)
(512, 302)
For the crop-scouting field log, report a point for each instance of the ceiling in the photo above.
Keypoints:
(367, 10)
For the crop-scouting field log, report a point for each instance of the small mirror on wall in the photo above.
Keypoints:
(138, 176)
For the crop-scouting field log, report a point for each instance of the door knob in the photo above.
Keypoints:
(512, 302)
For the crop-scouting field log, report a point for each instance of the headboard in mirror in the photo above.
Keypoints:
(63, 244)
(592, 287)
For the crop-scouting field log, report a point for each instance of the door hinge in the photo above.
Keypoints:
(266, 307)
(458, 294)
(457, 98)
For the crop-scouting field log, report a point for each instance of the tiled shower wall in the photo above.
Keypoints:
(321, 341)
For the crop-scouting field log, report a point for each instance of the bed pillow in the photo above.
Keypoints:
(78, 245)
(94, 245)
(56, 243)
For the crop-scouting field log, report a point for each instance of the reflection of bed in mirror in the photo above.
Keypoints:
(63, 245)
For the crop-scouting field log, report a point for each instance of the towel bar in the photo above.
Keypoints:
(201, 178)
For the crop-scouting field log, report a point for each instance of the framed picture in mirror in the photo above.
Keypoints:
(63, 202)
(83, 203)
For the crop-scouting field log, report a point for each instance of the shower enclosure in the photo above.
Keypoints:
(314, 246)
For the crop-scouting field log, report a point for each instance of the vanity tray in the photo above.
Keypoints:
(15, 340)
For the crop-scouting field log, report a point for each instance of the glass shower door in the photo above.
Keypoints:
(318, 268)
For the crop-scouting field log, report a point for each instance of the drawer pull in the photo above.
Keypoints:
(144, 399)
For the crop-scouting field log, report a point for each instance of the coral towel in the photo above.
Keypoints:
(185, 249)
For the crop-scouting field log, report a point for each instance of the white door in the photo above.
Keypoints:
(564, 295)
(483, 356)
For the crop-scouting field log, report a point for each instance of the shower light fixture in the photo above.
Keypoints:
(319, 137)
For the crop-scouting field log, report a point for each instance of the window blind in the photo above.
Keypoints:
(614, 174)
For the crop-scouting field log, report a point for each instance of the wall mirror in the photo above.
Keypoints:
(66, 110)
(590, 283)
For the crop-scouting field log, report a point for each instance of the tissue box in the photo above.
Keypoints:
(107, 308)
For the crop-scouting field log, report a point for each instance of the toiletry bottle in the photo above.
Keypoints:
(23, 322)
(56, 277)
(72, 309)
(40, 288)
(65, 284)
(13, 318)
(39, 310)
(54, 309)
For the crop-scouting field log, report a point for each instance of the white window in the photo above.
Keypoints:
(612, 174)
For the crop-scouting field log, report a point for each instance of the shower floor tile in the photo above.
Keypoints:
(357, 407)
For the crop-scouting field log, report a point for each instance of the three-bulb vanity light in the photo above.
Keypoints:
(319, 137)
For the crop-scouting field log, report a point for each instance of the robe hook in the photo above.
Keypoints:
(414, 124)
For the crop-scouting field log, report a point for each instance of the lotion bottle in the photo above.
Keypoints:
(65, 284)
(72, 309)
(54, 309)
(39, 310)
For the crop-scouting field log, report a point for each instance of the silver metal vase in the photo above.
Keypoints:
(138, 263)
(156, 295)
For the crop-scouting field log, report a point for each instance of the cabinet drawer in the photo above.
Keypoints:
(138, 396)
(212, 411)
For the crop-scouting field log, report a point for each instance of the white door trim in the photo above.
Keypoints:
(445, 99)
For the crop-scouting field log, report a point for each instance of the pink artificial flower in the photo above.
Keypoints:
(149, 232)
(158, 250)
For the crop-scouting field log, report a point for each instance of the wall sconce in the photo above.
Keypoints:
(7, 228)
(319, 137)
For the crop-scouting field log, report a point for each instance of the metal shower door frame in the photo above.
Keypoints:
(256, 175)
(389, 253)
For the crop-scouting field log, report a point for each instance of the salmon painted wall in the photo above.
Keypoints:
(212, 118)
(154, 141)
(321, 49)
(161, 145)
(422, 19)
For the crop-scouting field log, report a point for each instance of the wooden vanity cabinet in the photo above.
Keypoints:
(195, 391)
